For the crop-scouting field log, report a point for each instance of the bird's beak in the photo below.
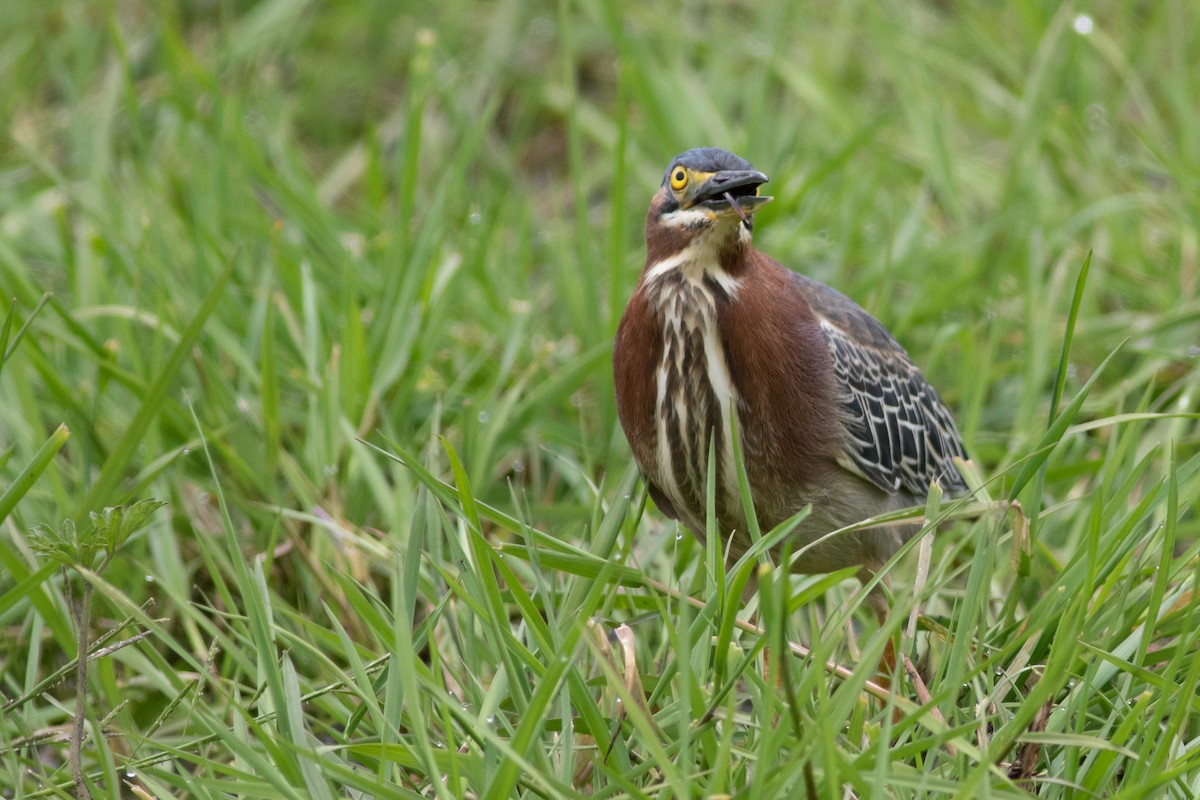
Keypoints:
(732, 192)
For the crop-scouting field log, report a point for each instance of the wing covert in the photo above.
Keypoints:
(902, 436)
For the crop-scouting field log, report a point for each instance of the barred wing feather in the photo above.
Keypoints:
(902, 435)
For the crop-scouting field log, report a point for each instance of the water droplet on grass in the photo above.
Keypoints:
(1083, 24)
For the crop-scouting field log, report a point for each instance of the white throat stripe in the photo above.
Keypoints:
(686, 217)
(696, 261)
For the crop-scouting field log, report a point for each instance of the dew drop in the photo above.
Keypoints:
(491, 719)
(354, 244)
(678, 536)
(484, 416)
(1083, 24)
(187, 451)
(149, 579)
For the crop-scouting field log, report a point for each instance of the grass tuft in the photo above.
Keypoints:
(338, 283)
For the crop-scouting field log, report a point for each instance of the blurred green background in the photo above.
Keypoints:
(243, 236)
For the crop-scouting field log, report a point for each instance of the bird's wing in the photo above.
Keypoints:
(901, 434)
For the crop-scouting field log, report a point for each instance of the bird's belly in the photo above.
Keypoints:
(684, 433)
(840, 500)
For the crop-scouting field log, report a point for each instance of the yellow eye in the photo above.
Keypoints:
(679, 178)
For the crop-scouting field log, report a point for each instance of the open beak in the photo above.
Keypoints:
(733, 191)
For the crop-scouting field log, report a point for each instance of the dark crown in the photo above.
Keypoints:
(707, 159)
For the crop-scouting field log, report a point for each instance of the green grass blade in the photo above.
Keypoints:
(103, 490)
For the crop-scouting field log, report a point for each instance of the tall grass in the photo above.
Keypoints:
(337, 282)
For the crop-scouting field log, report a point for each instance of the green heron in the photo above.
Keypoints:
(831, 410)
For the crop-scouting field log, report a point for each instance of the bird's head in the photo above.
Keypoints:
(707, 190)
